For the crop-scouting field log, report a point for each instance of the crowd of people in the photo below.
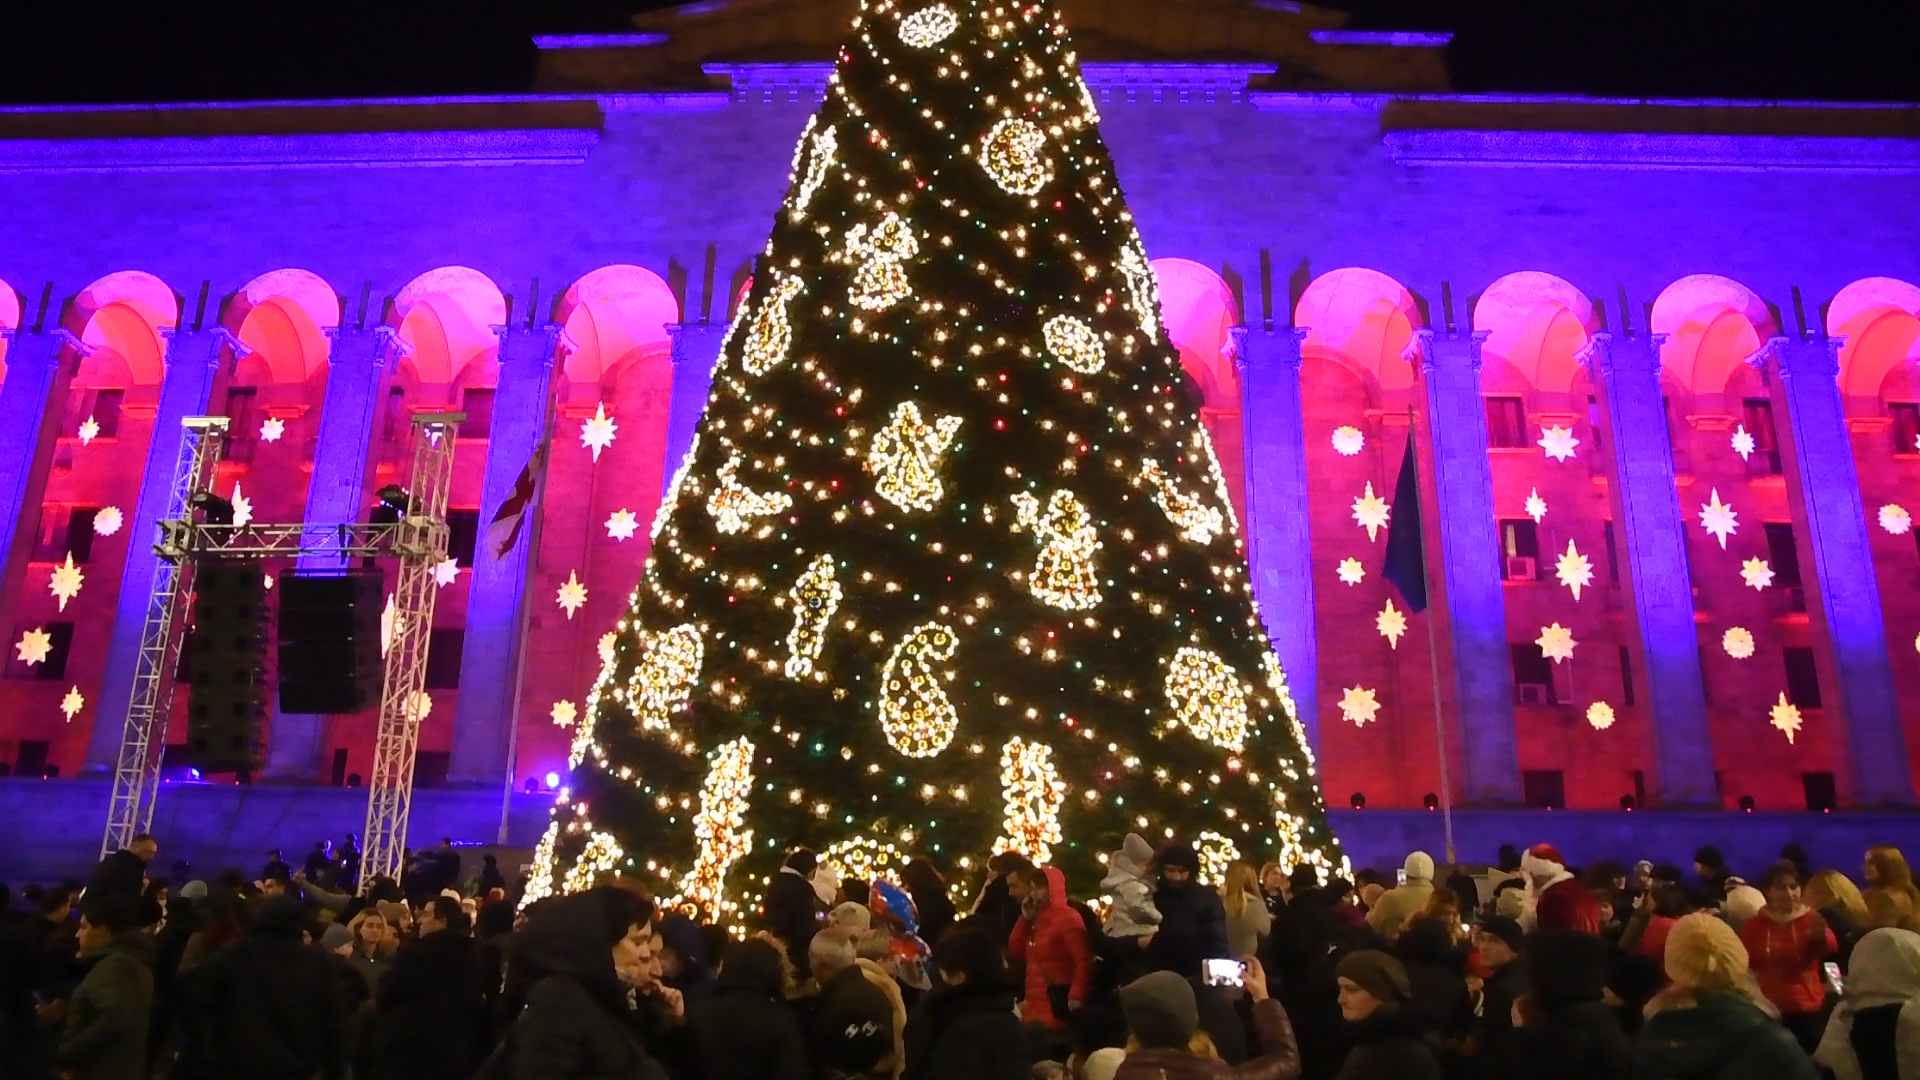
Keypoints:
(1529, 967)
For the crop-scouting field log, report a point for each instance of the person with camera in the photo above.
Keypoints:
(1165, 1041)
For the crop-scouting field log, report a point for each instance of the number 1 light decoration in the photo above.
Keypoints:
(950, 559)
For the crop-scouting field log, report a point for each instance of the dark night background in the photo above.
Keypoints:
(120, 51)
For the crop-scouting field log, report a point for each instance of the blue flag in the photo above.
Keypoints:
(1406, 550)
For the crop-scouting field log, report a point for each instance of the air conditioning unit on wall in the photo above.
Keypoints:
(1534, 694)
(1520, 568)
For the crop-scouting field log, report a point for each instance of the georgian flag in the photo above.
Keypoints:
(511, 519)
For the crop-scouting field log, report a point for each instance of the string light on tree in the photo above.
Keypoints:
(1034, 794)
(1015, 156)
(719, 829)
(818, 149)
(815, 598)
(1198, 521)
(1075, 344)
(1217, 853)
(664, 679)
(1142, 287)
(734, 505)
(915, 714)
(861, 858)
(600, 856)
(906, 457)
(879, 256)
(1064, 574)
(772, 332)
(929, 26)
(1208, 698)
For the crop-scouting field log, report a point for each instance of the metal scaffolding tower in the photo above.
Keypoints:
(418, 539)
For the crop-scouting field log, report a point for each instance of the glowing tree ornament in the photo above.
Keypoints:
(906, 456)
(1207, 698)
(1371, 511)
(1143, 290)
(734, 506)
(1217, 853)
(929, 26)
(108, 521)
(818, 148)
(1198, 521)
(1348, 440)
(772, 332)
(1034, 795)
(1075, 344)
(1738, 642)
(1359, 705)
(664, 680)
(815, 598)
(1015, 156)
(879, 255)
(719, 829)
(1063, 575)
(915, 713)
(1785, 716)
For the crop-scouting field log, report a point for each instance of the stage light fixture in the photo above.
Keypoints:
(1358, 801)
(1628, 803)
(395, 504)
(1431, 802)
(1746, 803)
(214, 510)
(532, 786)
(553, 780)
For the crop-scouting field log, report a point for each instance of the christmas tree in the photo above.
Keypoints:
(950, 567)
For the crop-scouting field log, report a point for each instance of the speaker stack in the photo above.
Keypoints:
(226, 690)
(329, 626)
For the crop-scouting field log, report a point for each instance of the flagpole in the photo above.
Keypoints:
(1433, 661)
(542, 450)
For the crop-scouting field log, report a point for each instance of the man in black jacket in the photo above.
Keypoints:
(852, 1027)
(1498, 940)
(791, 910)
(123, 873)
(266, 1007)
(430, 1003)
(1193, 919)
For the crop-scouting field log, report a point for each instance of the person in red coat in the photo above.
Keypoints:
(1556, 899)
(1052, 939)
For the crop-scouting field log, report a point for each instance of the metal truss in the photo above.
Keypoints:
(136, 776)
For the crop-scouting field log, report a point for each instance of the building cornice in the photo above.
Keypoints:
(1626, 150)
(559, 146)
(1130, 81)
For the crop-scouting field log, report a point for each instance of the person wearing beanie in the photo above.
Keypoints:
(1557, 899)
(1193, 919)
(1390, 1038)
(745, 1030)
(1497, 945)
(1563, 1028)
(1165, 1041)
(1103, 1064)
(1742, 902)
(1389, 915)
(1129, 891)
(1711, 1023)
(791, 911)
(1788, 942)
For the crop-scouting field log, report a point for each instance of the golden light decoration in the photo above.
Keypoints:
(1015, 156)
(1034, 794)
(601, 855)
(1359, 705)
(1217, 853)
(1207, 698)
(1574, 570)
(1196, 520)
(1738, 642)
(1600, 715)
(719, 827)
(861, 858)
(1785, 716)
(540, 880)
(582, 743)
(734, 505)
(929, 26)
(1371, 512)
(662, 682)
(1142, 287)
(772, 332)
(1075, 344)
(880, 278)
(1556, 642)
(818, 148)
(878, 285)
(1063, 575)
(1392, 623)
(1895, 519)
(815, 597)
(915, 714)
(1348, 440)
(906, 455)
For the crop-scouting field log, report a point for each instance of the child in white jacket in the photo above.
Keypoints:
(1129, 891)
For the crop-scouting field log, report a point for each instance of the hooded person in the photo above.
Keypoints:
(1875, 1029)
(683, 957)
(1193, 918)
(1390, 1038)
(1555, 898)
(582, 953)
(1166, 1043)
(1390, 913)
(1129, 890)
(1052, 942)
(1711, 1023)
(1564, 1027)
(744, 1029)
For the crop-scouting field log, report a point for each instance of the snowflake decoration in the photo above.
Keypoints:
(242, 507)
(906, 456)
(1063, 574)
(1075, 344)
(1756, 573)
(719, 828)
(819, 148)
(1738, 641)
(272, 429)
(1785, 715)
(386, 626)
(1558, 442)
(445, 571)
(72, 704)
(108, 521)
(564, 713)
(1371, 512)
(605, 646)
(88, 431)
(1556, 643)
(66, 581)
(1718, 518)
(1536, 506)
(1347, 440)
(772, 332)
(1895, 519)
(1392, 623)
(1034, 793)
(929, 26)
(733, 503)
(1359, 706)
(1196, 520)
(622, 524)
(572, 595)
(1015, 155)
(815, 597)
(1351, 571)
(1573, 570)
(33, 646)
(1743, 442)
(596, 433)
(1208, 698)
(915, 714)
(1600, 715)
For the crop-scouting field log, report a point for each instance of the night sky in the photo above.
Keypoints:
(184, 50)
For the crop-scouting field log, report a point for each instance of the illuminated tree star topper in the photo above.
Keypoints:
(1574, 570)
(572, 595)
(1556, 643)
(1351, 571)
(1718, 518)
(1371, 512)
(1558, 442)
(1391, 622)
(1359, 705)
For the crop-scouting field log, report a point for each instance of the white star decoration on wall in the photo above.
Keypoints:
(1743, 442)
(1756, 573)
(386, 626)
(33, 646)
(573, 595)
(72, 704)
(1351, 571)
(622, 524)
(1392, 623)
(596, 434)
(66, 581)
(1573, 570)
(1371, 511)
(1718, 518)
(1347, 440)
(1895, 519)
(1785, 715)
(606, 647)
(1738, 641)
(1600, 715)
(1558, 442)
(1359, 705)
(242, 507)
(88, 430)
(272, 429)
(1536, 506)
(108, 521)
(1556, 643)
(564, 714)
(445, 571)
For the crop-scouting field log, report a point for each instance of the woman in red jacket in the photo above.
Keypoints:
(1786, 944)
(1052, 939)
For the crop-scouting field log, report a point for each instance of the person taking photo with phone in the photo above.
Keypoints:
(1164, 1040)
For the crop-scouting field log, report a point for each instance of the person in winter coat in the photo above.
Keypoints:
(1391, 1038)
(1248, 921)
(265, 1006)
(1000, 898)
(1563, 1028)
(744, 1030)
(1052, 941)
(373, 946)
(851, 1033)
(1556, 899)
(1163, 1021)
(1839, 902)
(433, 988)
(123, 873)
(930, 899)
(1390, 913)
(965, 1029)
(1874, 1033)
(1497, 945)
(1129, 891)
(683, 957)
(1890, 889)
(791, 911)
(1436, 974)
(1711, 1023)
(104, 1036)
(1788, 942)
(1193, 921)
(583, 953)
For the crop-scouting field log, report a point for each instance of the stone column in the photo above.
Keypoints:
(696, 349)
(1843, 593)
(1646, 507)
(26, 437)
(193, 358)
(356, 367)
(1465, 570)
(489, 662)
(1276, 528)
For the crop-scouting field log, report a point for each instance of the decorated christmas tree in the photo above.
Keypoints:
(950, 567)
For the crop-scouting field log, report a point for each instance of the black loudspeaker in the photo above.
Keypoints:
(226, 690)
(330, 641)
